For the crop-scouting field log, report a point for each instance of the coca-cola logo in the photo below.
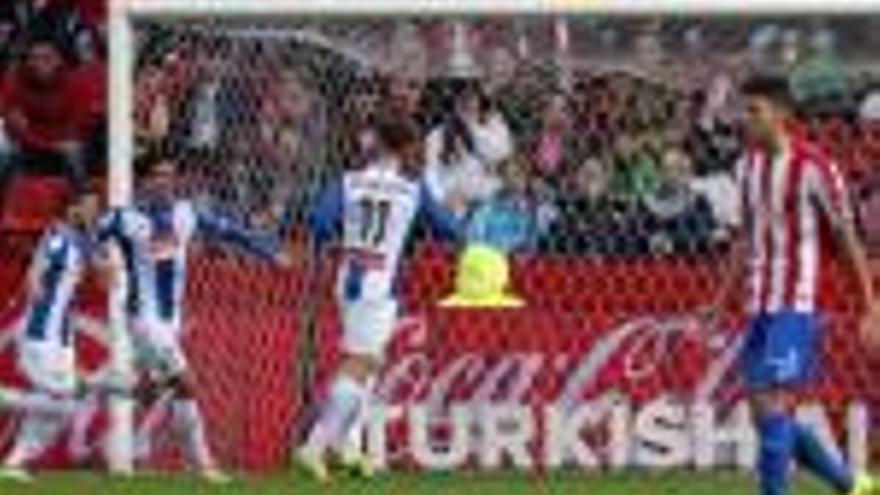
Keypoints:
(442, 409)
(636, 347)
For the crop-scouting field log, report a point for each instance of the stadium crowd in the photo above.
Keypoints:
(620, 160)
(52, 86)
(602, 161)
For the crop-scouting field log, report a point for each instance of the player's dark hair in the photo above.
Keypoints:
(396, 134)
(773, 88)
(147, 161)
(70, 197)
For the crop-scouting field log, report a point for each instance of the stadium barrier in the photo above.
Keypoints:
(610, 371)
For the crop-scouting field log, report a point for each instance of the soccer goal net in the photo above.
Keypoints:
(606, 205)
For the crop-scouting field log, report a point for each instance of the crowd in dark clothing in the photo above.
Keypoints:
(606, 162)
(52, 90)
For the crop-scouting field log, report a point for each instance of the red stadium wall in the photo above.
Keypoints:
(591, 334)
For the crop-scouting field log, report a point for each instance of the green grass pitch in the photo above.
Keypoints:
(635, 483)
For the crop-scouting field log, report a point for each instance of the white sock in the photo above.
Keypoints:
(147, 428)
(78, 444)
(36, 433)
(189, 418)
(353, 443)
(339, 411)
(119, 439)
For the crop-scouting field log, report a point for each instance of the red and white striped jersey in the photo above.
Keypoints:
(790, 200)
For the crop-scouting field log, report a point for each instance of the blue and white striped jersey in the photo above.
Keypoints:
(376, 208)
(154, 241)
(57, 269)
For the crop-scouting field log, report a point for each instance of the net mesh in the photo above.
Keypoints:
(613, 202)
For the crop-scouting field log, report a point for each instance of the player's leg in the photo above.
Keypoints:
(809, 452)
(157, 403)
(368, 332)
(150, 391)
(348, 444)
(775, 427)
(339, 411)
(160, 352)
(83, 418)
(51, 371)
(35, 434)
(367, 327)
(780, 358)
(353, 449)
(188, 419)
(149, 365)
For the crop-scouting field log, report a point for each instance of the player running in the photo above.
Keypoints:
(792, 194)
(46, 349)
(375, 207)
(154, 238)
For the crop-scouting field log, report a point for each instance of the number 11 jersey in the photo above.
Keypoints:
(376, 208)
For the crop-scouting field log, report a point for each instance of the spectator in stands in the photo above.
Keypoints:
(591, 221)
(869, 106)
(635, 170)
(49, 112)
(510, 86)
(508, 220)
(355, 141)
(819, 77)
(9, 29)
(208, 99)
(403, 93)
(869, 213)
(76, 25)
(92, 14)
(554, 140)
(679, 219)
(463, 151)
(152, 107)
(290, 143)
(592, 122)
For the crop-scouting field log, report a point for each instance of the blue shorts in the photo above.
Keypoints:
(781, 350)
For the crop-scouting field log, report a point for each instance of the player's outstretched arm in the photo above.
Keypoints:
(325, 214)
(828, 187)
(870, 324)
(264, 245)
(446, 221)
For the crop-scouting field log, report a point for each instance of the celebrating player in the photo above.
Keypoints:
(154, 238)
(45, 346)
(791, 192)
(376, 208)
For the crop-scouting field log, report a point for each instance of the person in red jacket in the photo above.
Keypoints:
(48, 111)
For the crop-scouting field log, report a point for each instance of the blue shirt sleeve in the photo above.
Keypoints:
(441, 220)
(109, 226)
(52, 253)
(225, 229)
(55, 249)
(326, 213)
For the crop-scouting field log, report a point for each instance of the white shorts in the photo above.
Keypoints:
(48, 366)
(368, 326)
(157, 347)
